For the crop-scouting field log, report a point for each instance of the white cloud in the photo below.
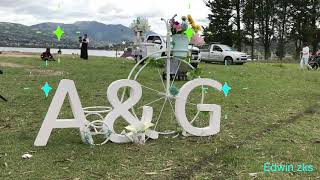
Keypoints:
(106, 11)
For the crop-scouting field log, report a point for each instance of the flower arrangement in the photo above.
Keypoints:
(189, 27)
(137, 133)
(196, 39)
(194, 26)
(178, 28)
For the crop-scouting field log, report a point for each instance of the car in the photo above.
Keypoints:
(222, 53)
(155, 43)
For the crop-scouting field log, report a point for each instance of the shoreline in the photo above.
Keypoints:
(18, 54)
(36, 52)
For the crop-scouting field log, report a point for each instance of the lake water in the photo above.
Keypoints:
(64, 51)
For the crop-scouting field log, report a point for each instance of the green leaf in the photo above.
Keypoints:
(194, 74)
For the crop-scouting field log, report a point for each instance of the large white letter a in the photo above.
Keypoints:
(50, 122)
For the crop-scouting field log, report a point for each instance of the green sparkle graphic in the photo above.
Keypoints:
(59, 32)
(189, 33)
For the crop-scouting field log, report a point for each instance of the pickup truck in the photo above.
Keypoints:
(156, 43)
(222, 53)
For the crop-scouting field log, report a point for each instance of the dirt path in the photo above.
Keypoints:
(13, 65)
(187, 173)
(33, 71)
(18, 54)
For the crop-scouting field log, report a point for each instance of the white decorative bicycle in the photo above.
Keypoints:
(160, 91)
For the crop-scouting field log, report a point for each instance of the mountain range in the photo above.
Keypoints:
(42, 35)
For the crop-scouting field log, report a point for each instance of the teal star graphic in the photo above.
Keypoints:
(59, 32)
(189, 33)
(46, 89)
(225, 88)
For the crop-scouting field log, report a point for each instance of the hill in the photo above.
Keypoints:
(40, 35)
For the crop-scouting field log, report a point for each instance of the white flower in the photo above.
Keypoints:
(26, 156)
(139, 128)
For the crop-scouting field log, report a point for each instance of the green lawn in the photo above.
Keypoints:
(270, 115)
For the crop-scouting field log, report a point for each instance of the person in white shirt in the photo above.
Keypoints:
(305, 56)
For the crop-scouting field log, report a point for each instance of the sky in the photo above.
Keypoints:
(123, 12)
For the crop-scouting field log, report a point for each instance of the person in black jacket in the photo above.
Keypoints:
(84, 47)
(47, 56)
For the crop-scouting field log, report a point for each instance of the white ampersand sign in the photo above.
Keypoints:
(122, 109)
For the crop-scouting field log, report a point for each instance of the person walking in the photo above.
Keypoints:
(305, 56)
(84, 47)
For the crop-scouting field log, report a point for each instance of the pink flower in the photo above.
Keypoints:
(197, 40)
(178, 28)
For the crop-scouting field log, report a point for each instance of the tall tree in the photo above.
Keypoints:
(238, 5)
(282, 26)
(301, 17)
(220, 26)
(249, 21)
(315, 13)
(266, 24)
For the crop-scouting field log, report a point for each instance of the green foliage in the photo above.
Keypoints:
(156, 63)
(195, 73)
(140, 24)
(274, 24)
(220, 28)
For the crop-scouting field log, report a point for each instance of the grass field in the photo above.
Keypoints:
(271, 115)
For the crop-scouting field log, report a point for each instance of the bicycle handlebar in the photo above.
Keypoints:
(174, 16)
